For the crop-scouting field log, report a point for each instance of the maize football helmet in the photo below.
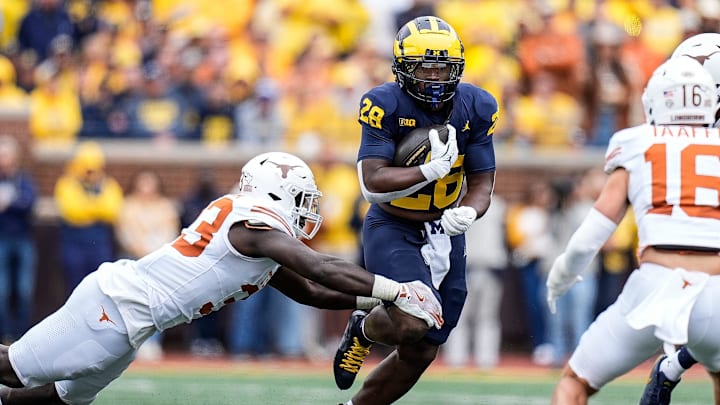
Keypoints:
(680, 92)
(705, 48)
(428, 43)
(288, 182)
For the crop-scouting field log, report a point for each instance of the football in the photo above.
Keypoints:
(413, 149)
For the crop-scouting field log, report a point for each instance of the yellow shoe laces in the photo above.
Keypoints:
(354, 357)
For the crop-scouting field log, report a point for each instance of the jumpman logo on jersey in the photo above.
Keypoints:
(466, 127)
(285, 169)
(686, 284)
(104, 317)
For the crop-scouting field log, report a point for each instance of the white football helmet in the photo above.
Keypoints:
(705, 48)
(288, 182)
(680, 92)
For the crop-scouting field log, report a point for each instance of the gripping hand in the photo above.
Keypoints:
(559, 281)
(442, 155)
(418, 300)
(458, 220)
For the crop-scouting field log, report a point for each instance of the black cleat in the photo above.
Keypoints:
(352, 352)
(659, 387)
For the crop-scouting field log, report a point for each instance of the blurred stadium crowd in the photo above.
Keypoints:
(287, 74)
(566, 72)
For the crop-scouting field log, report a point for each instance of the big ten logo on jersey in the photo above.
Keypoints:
(445, 191)
(195, 238)
(407, 122)
(693, 186)
(371, 114)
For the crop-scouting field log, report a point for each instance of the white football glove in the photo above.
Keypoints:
(559, 281)
(458, 220)
(442, 155)
(418, 300)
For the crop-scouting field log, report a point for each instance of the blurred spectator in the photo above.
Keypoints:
(548, 117)
(12, 13)
(12, 97)
(46, 20)
(277, 326)
(553, 45)
(89, 202)
(55, 113)
(575, 310)
(608, 90)
(216, 118)
(148, 219)
(530, 241)
(259, 121)
(17, 247)
(477, 336)
(158, 112)
(662, 26)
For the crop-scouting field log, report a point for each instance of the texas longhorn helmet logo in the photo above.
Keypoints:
(284, 169)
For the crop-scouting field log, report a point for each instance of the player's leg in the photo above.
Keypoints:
(399, 372)
(396, 374)
(84, 339)
(392, 250)
(609, 348)
(665, 375)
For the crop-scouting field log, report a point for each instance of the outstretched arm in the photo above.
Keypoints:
(317, 295)
(329, 271)
(591, 235)
(415, 298)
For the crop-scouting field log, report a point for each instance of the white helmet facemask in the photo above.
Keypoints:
(289, 183)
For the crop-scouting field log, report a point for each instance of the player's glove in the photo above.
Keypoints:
(442, 155)
(418, 300)
(458, 220)
(559, 281)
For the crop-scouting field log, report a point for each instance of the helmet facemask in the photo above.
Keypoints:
(306, 213)
(287, 182)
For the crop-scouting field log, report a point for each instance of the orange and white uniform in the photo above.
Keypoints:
(116, 308)
(674, 189)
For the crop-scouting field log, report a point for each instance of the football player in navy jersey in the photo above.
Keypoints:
(415, 226)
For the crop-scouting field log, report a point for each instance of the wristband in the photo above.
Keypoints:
(385, 289)
(366, 302)
(587, 241)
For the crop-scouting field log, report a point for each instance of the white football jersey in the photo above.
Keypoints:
(196, 274)
(674, 182)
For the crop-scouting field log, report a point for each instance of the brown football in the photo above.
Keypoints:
(413, 149)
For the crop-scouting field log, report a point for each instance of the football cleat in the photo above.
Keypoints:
(659, 387)
(351, 354)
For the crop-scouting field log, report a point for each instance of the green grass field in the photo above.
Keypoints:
(269, 385)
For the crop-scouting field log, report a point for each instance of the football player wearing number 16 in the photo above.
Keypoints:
(415, 226)
(239, 244)
(668, 170)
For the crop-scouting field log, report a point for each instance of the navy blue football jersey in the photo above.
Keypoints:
(387, 114)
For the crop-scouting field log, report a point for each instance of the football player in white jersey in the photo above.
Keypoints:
(666, 373)
(239, 244)
(668, 169)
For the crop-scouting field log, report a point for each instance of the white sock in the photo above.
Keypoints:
(346, 403)
(671, 367)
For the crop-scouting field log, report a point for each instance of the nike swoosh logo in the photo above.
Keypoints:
(421, 297)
